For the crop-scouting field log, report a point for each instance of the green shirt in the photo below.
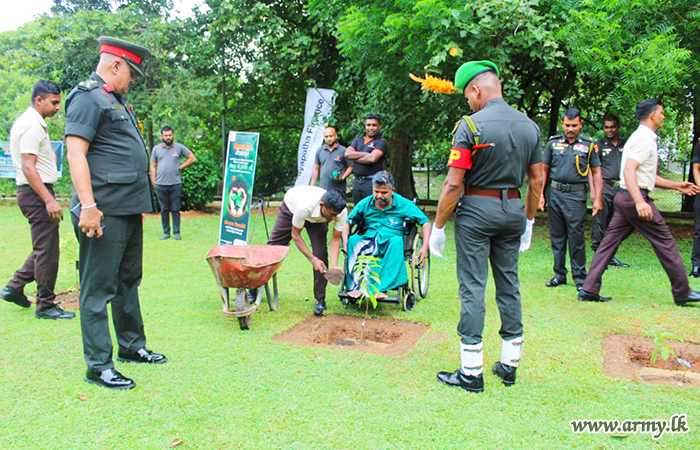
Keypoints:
(387, 222)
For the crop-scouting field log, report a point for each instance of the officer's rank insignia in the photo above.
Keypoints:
(88, 84)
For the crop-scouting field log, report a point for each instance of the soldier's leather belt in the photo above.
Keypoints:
(610, 182)
(495, 193)
(566, 187)
(24, 187)
(364, 177)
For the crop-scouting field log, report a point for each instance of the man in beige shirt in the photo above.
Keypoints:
(35, 163)
(635, 210)
(312, 208)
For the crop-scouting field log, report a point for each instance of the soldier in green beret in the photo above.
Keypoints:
(493, 151)
(110, 172)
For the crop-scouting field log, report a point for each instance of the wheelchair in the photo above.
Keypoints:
(418, 276)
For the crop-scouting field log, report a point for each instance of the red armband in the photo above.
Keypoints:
(460, 158)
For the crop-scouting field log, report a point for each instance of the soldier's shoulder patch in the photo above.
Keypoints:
(88, 85)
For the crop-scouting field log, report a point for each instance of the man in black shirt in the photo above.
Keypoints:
(368, 153)
(610, 157)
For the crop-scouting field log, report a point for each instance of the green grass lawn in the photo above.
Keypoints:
(223, 388)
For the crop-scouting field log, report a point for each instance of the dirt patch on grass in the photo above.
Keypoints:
(66, 299)
(629, 357)
(381, 336)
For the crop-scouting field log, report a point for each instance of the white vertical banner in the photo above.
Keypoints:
(319, 104)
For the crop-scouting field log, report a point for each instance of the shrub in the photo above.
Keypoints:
(199, 182)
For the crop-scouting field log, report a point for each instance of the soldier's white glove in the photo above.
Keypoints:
(437, 241)
(526, 237)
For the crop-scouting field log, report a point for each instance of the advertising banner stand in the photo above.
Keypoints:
(239, 177)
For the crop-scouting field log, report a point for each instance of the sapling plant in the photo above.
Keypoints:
(659, 339)
(364, 271)
(69, 247)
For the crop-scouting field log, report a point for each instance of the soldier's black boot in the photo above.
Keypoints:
(505, 372)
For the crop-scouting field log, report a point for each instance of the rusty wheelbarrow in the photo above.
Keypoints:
(246, 267)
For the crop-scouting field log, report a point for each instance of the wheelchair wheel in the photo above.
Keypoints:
(421, 275)
(408, 301)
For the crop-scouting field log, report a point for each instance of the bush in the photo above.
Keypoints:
(199, 183)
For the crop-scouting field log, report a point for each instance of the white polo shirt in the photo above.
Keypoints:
(29, 135)
(304, 203)
(642, 147)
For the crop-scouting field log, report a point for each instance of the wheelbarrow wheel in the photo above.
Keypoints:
(243, 304)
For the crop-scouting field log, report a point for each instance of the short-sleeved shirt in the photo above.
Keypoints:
(168, 161)
(367, 144)
(387, 222)
(304, 202)
(610, 158)
(569, 161)
(515, 146)
(117, 155)
(29, 135)
(696, 155)
(642, 147)
(331, 161)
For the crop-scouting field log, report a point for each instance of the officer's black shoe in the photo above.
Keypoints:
(16, 297)
(554, 282)
(144, 355)
(693, 297)
(586, 296)
(505, 372)
(579, 287)
(55, 312)
(695, 273)
(617, 263)
(458, 379)
(252, 295)
(164, 237)
(110, 379)
(177, 236)
(320, 307)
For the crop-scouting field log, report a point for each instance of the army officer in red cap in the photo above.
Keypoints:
(109, 169)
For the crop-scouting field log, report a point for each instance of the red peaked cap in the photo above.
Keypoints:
(133, 54)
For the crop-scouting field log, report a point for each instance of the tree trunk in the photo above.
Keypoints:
(401, 162)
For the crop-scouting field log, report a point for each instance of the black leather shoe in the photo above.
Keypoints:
(554, 282)
(16, 297)
(505, 372)
(617, 263)
(110, 379)
(142, 356)
(694, 297)
(579, 287)
(695, 273)
(164, 237)
(320, 307)
(458, 379)
(55, 312)
(586, 296)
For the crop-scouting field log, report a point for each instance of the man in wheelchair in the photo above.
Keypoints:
(379, 221)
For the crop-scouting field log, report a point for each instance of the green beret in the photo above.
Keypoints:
(470, 70)
(133, 54)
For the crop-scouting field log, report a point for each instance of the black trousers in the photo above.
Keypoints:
(695, 256)
(601, 221)
(110, 272)
(318, 232)
(624, 222)
(566, 212)
(42, 264)
(361, 189)
(169, 201)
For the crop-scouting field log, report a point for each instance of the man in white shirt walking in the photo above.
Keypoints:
(34, 160)
(635, 210)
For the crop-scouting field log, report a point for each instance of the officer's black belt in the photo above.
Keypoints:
(364, 177)
(610, 182)
(643, 191)
(24, 187)
(566, 187)
(495, 193)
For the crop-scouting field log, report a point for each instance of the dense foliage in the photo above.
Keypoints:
(245, 65)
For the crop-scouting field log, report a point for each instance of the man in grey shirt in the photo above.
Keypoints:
(331, 168)
(165, 176)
